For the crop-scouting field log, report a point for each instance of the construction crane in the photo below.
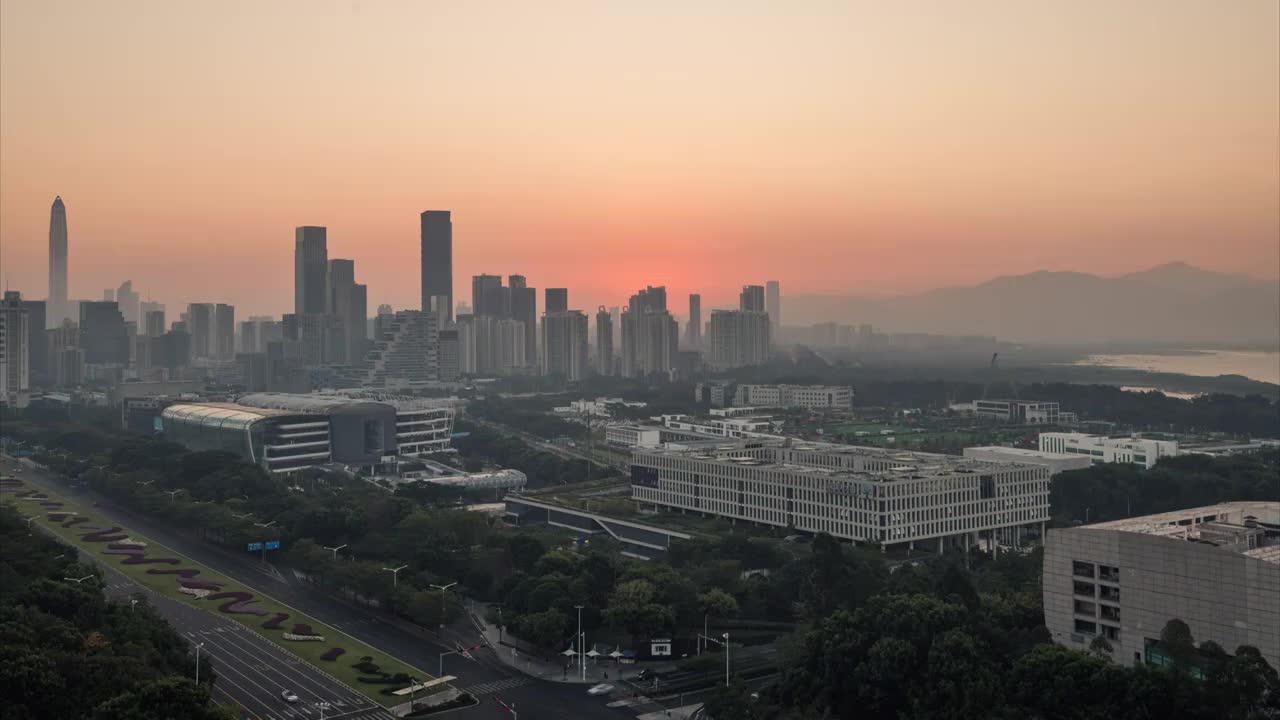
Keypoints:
(992, 373)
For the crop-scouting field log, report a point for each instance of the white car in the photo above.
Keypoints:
(288, 696)
(601, 689)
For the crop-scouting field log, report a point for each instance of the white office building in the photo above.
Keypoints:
(1055, 462)
(814, 397)
(1018, 412)
(869, 495)
(1102, 449)
(1215, 568)
(629, 436)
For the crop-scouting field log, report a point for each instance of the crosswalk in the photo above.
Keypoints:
(494, 686)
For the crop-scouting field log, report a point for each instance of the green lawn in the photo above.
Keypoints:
(167, 585)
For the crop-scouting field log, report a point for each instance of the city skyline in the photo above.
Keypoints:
(1080, 149)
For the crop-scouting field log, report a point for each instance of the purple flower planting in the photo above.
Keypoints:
(143, 560)
(77, 520)
(107, 535)
(274, 622)
(238, 604)
(333, 654)
(301, 629)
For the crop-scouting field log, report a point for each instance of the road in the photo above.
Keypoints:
(486, 677)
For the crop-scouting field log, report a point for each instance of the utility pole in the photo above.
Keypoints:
(581, 657)
(198, 646)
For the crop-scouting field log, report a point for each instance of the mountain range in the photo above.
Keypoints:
(1174, 303)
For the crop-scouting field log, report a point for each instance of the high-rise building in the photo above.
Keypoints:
(693, 332)
(564, 344)
(437, 257)
(487, 296)
(200, 325)
(58, 309)
(314, 334)
(650, 335)
(524, 307)
(488, 344)
(109, 295)
(15, 350)
(556, 300)
(103, 335)
(147, 309)
(604, 341)
(752, 298)
(347, 301)
(773, 305)
(406, 351)
(224, 332)
(310, 270)
(738, 338)
(37, 345)
(450, 366)
(128, 300)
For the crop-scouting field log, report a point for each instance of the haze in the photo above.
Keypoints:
(841, 148)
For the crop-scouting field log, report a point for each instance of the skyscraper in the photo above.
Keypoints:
(57, 309)
(487, 296)
(564, 344)
(310, 270)
(524, 307)
(752, 298)
(437, 257)
(556, 300)
(103, 335)
(693, 333)
(200, 325)
(347, 345)
(129, 302)
(650, 336)
(37, 344)
(604, 341)
(15, 351)
(773, 305)
(154, 323)
(738, 338)
(224, 332)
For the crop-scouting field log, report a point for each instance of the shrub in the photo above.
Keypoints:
(333, 654)
(366, 666)
(302, 629)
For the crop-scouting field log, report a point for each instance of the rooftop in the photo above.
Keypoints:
(1026, 452)
(1250, 528)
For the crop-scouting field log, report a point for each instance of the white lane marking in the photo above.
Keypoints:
(242, 640)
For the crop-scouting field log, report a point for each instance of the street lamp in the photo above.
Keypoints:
(266, 525)
(33, 517)
(241, 516)
(395, 574)
(133, 602)
(146, 482)
(198, 646)
(726, 659)
(77, 580)
(323, 706)
(334, 549)
(443, 600)
(171, 493)
(582, 664)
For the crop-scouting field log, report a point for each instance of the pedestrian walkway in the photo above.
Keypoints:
(680, 713)
(494, 686)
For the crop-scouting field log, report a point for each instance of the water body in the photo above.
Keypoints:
(1261, 366)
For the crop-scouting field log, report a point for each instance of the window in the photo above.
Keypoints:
(1108, 573)
(1110, 613)
(1110, 633)
(1081, 569)
(1085, 608)
(1109, 594)
(1085, 627)
(1083, 588)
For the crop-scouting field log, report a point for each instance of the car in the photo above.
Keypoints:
(646, 674)
(601, 689)
(288, 696)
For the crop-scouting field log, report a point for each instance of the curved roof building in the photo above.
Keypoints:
(277, 440)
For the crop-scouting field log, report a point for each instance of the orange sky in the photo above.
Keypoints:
(839, 147)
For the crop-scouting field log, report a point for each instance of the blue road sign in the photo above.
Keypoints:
(273, 544)
(255, 546)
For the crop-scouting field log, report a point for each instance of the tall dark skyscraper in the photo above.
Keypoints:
(557, 300)
(223, 346)
(524, 307)
(693, 333)
(773, 305)
(487, 296)
(752, 298)
(437, 258)
(57, 310)
(310, 270)
(103, 336)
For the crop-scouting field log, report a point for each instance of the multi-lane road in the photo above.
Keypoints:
(253, 671)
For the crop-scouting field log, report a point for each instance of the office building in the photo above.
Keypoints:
(58, 308)
(67, 366)
(604, 342)
(524, 307)
(129, 302)
(1055, 462)
(347, 306)
(103, 335)
(715, 393)
(1102, 449)
(751, 299)
(406, 351)
(489, 297)
(556, 300)
(153, 323)
(450, 355)
(564, 344)
(813, 397)
(773, 305)
(738, 338)
(15, 351)
(313, 333)
(201, 324)
(650, 335)
(310, 270)
(1215, 568)
(490, 345)
(224, 332)
(631, 436)
(693, 331)
(1018, 412)
(37, 344)
(878, 497)
(437, 258)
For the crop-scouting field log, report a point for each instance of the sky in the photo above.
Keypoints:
(848, 148)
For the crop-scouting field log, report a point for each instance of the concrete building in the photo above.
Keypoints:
(153, 323)
(200, 324)
(738, 338)
(736, 428)
(1102, 449)
(437, 258)
(604, 342)
(450, 355)
(348, 305)
(15, 351)
(1215, 568)
(129, 302)
(878, 497)
(1055, 462)
(489, 297)
(751, 299)
(693, 331)
(630, 436)
(773, 305)
(1018, 412)
(715, 393)
(524, 308)
(310, 270)
(58, 309)
(489, 345)
(650, 335)
(564, 344)
(103, 335)
(556, 300)
(37, 343)
(813, 397)
(223, 344)
(407, 350)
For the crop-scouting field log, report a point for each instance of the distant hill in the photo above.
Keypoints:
(1173, 303)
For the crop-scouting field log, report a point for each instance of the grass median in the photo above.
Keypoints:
(168, 584)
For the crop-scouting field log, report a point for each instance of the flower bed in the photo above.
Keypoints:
(143, 560)
(197, 592)
(274, 622)
(333, 654)
(302, 629)
(77, 520)
(107, 535)
(238, 603)
(291, 636)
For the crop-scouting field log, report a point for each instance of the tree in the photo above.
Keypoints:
(1176, 640)
(546, 629)
(718, 603)
(1101, 647)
